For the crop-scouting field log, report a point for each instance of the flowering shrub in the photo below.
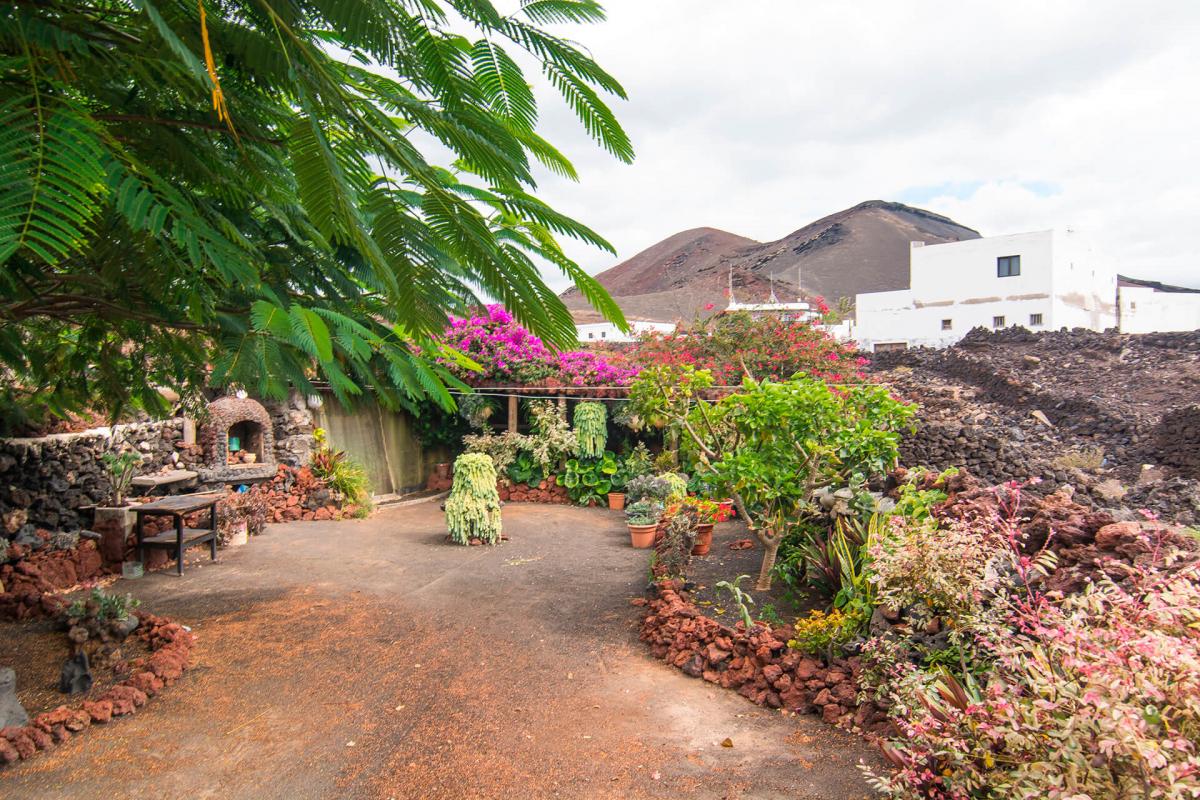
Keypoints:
(505, 350)
(941, 570)
(510, 354)
(585, 368)
(1091, 695)
(769, 347)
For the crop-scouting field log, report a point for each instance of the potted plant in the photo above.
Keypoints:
(636, 464)
(708, 513)
(115, 520)
(642, 518)
(240, 515)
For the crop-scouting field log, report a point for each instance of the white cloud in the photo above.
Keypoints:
(759, 117)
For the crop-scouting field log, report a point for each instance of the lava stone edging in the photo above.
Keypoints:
(758, 664)
(171, 647)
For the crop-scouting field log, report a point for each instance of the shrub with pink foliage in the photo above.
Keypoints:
(1094, 695)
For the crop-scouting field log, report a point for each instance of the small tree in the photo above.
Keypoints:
(773, 443)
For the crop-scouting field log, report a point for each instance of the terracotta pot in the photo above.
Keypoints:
(703, 539)
(442, 470)
(727, 505)
(642, 536)
(616, 501)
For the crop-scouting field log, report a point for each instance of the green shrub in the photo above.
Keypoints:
(588, 481)
(344, 477)
(643, 512)
(473, 507)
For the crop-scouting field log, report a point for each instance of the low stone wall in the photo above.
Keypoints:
(49, 478)
(44, 481)
(757, 664)
(547, 491)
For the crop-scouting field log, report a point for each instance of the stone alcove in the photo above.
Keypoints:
(239, 444)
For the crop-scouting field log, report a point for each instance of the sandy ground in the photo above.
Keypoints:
(370, 659)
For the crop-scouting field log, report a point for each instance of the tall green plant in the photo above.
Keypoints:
(254, 189)
(121, 468)
(473, 507)
(591, 429)
(773, 443)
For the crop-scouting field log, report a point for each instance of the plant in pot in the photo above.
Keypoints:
(647, 487)
(114, 521)
(240, 515)
(634, 465)
(708, 513)
(642, 518)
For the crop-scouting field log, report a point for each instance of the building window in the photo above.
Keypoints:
(947, 324)
(603, 334)
(997, 322)
(1035, 319)
(1008, 266)
(591, 335)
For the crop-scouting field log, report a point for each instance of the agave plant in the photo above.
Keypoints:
(241, 183)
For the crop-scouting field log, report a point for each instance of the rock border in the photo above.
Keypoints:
(757, 664)
(171, 645)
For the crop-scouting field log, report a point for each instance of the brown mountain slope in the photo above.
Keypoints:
(861, 249)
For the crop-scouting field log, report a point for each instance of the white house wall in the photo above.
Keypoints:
(1144, 310)
(1085, 285)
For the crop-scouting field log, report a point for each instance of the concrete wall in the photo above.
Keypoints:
(1144, 310)
(382, 441)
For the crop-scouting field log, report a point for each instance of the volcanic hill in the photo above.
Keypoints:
(860, 249)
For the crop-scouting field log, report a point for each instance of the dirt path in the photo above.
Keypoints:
(369, 659)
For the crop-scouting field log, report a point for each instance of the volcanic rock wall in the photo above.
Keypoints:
(44, 481)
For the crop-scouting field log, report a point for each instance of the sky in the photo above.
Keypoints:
(760, 116)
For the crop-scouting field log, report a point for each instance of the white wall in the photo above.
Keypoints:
(1143, 310)
(1085, 284)
(591, 332)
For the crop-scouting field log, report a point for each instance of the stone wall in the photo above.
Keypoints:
(45, 481)
(50, 477)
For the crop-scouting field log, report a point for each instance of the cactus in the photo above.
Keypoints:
(591, 429)
(473, 508)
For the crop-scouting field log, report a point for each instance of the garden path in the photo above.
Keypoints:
(370, 659)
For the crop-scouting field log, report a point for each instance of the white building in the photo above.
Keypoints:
(1041, 281)
(592, 332)
(1153, 307)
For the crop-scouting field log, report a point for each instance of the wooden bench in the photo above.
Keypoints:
(179, 538)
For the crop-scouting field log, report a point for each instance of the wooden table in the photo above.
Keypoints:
(176, 507)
